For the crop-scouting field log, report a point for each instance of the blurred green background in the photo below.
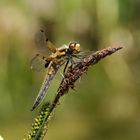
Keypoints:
(106, 103)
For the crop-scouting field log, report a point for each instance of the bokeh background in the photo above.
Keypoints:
(105, 105)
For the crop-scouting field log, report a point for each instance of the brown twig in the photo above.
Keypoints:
(75, 73)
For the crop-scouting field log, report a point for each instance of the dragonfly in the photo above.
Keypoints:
(52, 58)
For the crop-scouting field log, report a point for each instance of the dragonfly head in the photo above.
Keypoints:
(74, 47)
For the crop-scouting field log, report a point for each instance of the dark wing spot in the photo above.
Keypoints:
(41, 30)
(46, 64)
(43, 57)
(47, 39)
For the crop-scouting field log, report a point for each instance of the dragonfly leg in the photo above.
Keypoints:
(61, 73)
(66, 67)
(54, 67)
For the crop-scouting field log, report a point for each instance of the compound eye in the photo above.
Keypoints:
(72, 44)
(75, 47)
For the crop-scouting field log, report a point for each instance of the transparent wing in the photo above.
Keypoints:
(43, 45)
(76, 58)
(38, 63)
(83, 54)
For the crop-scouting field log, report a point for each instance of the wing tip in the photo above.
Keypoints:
(33, 108)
